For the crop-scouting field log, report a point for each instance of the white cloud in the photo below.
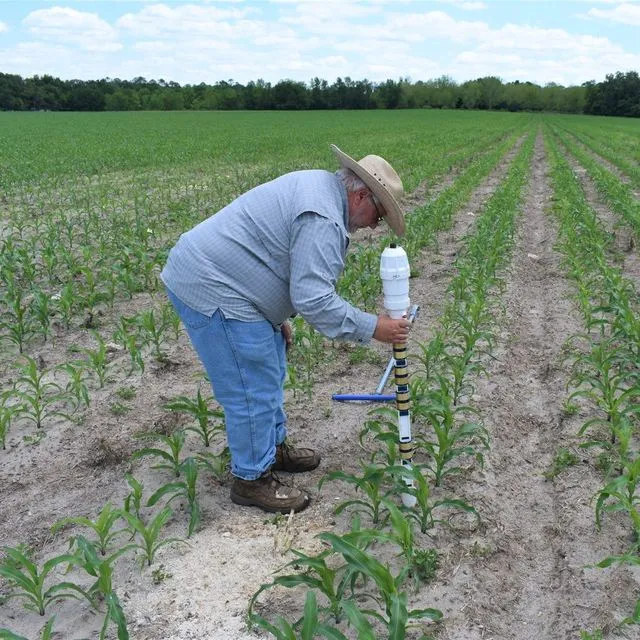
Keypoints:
(3, 27)
(624, 14)
(61, 24)
(38, 58)
(466, 5)
(161, 20)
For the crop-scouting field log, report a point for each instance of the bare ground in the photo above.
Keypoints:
(520, 575)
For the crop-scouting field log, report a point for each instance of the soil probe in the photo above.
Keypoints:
(394, 272)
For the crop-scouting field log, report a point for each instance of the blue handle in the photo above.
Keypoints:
(363, 397)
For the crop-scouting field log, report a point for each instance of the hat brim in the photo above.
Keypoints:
(393, 213)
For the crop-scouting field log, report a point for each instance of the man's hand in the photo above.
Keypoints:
(393, 331)
(285, 327)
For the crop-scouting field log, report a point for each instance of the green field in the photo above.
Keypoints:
(93, 358)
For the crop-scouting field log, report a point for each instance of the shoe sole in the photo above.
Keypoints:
(249, 502)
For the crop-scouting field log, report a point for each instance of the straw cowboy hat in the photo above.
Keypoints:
(383, 181)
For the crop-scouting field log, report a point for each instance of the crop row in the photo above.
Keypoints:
(619, 195)
(447, 433)
(604, 357)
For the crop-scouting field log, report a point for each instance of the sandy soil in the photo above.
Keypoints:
(520, 575)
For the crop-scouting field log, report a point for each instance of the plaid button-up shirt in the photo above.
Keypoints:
(275, 251)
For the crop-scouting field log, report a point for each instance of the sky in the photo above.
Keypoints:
(563, 41)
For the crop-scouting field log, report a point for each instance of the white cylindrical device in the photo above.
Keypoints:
(394, 272)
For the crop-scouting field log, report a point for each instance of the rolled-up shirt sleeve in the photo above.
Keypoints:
(317, 250)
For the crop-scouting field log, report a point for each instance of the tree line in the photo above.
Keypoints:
(618, 94)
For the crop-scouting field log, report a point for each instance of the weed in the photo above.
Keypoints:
(119, 409)
(563, 459)
(126, 393)
(159, 575)
(569, 408)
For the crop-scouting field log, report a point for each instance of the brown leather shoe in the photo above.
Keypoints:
(295, 460)
(268, 493)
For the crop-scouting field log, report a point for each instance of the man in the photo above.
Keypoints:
(236, 277)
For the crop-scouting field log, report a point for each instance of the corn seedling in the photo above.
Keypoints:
(152, 331)
(421, 564)
(183, 489)
(31, 583)
(16, 322)
(45, 634)
(311, 627)
(217, 463)
(97, 360)
(370, 483)
(38, 398)
(102, 526)
(8, 413)
(308, 351)
(621, 495)
(41, 310)
(76, 385)
(133, 500)
(149, 542)
(331, 582)
(423, 513)
(130, 341)
(395, 601)
(452, 439)
(199, 409)
(102, 570)
(174, 443)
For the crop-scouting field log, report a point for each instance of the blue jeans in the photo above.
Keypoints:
(246, 364)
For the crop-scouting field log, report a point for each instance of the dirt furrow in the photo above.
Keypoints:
(622, 234)
(512, 567)
(523, 574)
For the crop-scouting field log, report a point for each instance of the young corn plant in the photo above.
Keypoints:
(102, 526)
(102, 570)
(149, 535)
(32, 584)
(308, 351)
(174, 443)
(371, 484)
(332, 582)
(200, 410)
(424, 511)
(184, 489)
(41, 311)
(16, 323)
(8, 413)
(397, 615)
(127, 335)
(310, 625)
(621, 495)
(453, 438)
(45, 634)
(133, 500)
(76, 383)
(38, 398)
(97, 360)
(217, 463)
(153, 331)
